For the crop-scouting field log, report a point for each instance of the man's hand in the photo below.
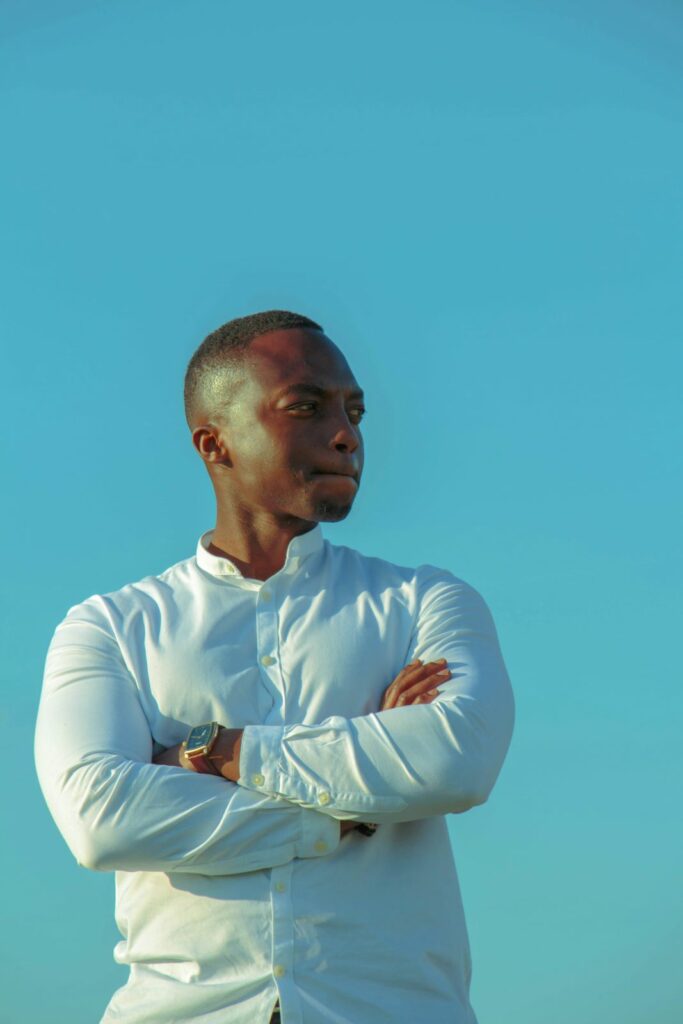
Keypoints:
(415, 684)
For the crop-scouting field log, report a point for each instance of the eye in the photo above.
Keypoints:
(358, 411)
(301, 407)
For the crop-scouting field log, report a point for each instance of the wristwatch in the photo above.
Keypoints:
(198, 745)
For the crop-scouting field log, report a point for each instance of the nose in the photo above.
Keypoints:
(347, 437)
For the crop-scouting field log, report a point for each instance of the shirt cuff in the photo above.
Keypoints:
(261, 768)
(321, 834)
(259, 758)
(259, 755)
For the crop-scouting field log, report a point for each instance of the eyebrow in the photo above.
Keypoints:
(315, 389)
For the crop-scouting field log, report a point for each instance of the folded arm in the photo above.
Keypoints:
(405, 763)
(118, 811)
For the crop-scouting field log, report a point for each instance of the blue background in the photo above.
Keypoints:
(481, 203)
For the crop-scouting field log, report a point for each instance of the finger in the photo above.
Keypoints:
(424, 685)
(408, 671)
(418, 667)
(427, 698)
(394, 692)
(412, 676)
(412, 672)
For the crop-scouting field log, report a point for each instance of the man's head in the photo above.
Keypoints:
(274, 411)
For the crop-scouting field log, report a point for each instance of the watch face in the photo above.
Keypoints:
(200, 736)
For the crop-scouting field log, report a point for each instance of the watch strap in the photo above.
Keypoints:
(200, 763)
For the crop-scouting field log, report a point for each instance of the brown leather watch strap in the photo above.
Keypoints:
(200, 763)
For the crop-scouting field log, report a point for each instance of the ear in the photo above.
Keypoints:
(209, 441)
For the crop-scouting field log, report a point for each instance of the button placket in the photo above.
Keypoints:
(283, 936)
(267, 649)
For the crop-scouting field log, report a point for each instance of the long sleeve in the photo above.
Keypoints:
(118, 811)
(409, 762)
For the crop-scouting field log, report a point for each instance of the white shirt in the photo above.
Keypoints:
(230, 895)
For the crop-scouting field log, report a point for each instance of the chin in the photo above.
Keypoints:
(331, 511)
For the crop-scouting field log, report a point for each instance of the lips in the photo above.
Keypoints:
(336, 472)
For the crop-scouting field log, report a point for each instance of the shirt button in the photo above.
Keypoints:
(267, 660)
(320, 846)
(279, 970)
(323, 798)
(280, 886)
(258, 779)
(266, 595)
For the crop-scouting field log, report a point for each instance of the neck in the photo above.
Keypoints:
(256, 542)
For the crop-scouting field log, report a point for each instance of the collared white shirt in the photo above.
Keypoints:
(230, 895)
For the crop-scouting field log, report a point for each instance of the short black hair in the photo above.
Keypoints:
(227, 344)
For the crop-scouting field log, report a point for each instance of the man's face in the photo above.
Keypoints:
(292, 431)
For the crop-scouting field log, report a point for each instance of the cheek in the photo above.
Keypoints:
(267, 460)
(254, 444)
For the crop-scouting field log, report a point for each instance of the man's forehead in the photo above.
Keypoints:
(295, 359)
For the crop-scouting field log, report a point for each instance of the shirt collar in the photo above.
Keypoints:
(298, 550)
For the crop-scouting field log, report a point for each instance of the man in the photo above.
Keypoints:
(264, 740)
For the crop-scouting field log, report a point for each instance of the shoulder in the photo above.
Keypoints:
(112, 610)
(424, 581)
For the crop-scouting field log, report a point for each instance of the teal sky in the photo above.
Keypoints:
(482, 205)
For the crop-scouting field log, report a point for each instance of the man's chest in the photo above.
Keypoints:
(241, 659)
